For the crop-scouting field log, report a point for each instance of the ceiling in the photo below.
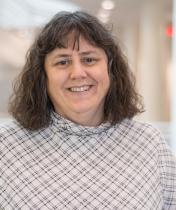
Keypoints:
(20, 13)
(125, 11)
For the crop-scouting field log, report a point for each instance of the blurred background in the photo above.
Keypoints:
(145, 30)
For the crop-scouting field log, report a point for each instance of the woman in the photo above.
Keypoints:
(73, 143)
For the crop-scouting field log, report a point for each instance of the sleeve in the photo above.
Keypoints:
(167, 167)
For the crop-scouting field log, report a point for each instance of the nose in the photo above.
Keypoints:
(77, 71)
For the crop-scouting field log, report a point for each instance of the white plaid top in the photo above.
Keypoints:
(70, 167)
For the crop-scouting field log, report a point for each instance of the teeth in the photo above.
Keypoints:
(80, 89)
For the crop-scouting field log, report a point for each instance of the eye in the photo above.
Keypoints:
(89, 60)
(62, 63)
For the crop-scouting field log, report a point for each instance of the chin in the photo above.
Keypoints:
(81, 110)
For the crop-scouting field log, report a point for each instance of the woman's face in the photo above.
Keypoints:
(78, 81)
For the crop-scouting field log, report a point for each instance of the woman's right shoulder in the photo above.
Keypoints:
(9, 125)
(10, 129)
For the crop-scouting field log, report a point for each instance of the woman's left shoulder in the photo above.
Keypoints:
(142, 132)
(138, 127)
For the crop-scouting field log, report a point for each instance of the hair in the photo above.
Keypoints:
(30, 104)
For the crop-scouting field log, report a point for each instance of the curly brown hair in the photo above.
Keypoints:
(30, 104)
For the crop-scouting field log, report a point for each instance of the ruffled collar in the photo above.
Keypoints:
(69, 127)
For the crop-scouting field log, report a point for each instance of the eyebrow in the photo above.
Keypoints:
(62, 55)
(68, 55)
(87, 52)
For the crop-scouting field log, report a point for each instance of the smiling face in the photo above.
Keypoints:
(78, 81)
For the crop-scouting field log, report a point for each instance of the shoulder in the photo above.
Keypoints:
(149, 147)
(140, 135)
(16, 140)
(11, 128)
(12, 131)
(137, 128)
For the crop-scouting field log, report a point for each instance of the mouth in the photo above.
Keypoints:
(80, 88)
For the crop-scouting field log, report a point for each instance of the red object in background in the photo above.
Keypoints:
(169, 31)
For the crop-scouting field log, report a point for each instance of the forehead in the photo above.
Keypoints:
(77, 43)
(81, 47)
(74, 42)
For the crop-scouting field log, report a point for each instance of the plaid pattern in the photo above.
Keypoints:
(70, 167)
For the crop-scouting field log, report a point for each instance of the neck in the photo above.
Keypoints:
(85, 119)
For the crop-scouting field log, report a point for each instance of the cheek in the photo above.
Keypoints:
(54, 80)
(104, 76)
(56, 86)
(51, 86)
(106, 81)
